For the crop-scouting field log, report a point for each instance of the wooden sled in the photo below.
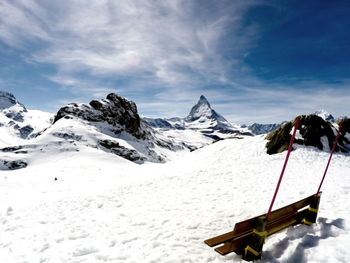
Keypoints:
(239, 239)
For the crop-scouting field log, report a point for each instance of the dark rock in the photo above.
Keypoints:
(119, 150)
(344, 137)
(67, 136)
(11, 149)
(13, 165)
(96, 104)
(16, 116)
(26, 131)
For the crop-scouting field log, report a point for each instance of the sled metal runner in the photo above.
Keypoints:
(236, 240)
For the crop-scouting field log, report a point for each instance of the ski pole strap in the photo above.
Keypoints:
(284, 166)
(330, 156)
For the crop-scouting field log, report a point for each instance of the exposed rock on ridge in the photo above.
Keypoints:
(7, 100)
(312, 131)
(115, 110)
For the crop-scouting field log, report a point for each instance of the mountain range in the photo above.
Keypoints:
(111, 125)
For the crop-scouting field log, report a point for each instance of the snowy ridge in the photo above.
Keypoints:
(258, 129)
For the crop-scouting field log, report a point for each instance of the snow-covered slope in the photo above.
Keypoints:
(103, 208)
(17, 123)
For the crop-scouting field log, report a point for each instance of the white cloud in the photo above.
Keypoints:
(170, 40)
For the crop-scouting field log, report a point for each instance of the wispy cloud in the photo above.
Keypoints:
(175, 41)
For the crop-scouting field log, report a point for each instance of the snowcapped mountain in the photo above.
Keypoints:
(325, 115)
(113, 125)
(258, 129)
(17, 123)
(202, 112)
(201, 119)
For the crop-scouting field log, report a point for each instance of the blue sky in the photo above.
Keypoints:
(255, 61)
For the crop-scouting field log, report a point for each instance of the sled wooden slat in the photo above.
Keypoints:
(278, 220)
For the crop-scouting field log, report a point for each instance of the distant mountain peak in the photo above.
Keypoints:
(203, 101)
(325, 115)
(7, 100)
(202, 110)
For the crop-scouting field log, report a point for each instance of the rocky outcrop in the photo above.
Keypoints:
(121, 151)
(115, 110)
(312, 131)
(12, 164)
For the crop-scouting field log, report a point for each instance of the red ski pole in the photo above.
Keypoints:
(284, 166)
(330, 157)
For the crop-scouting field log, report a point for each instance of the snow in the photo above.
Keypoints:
(39, 120)
(325, 144)
(10, 129)
(103, 208)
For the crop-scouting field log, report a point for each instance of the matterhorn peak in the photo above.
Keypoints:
(203, 101)
(200, 110)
